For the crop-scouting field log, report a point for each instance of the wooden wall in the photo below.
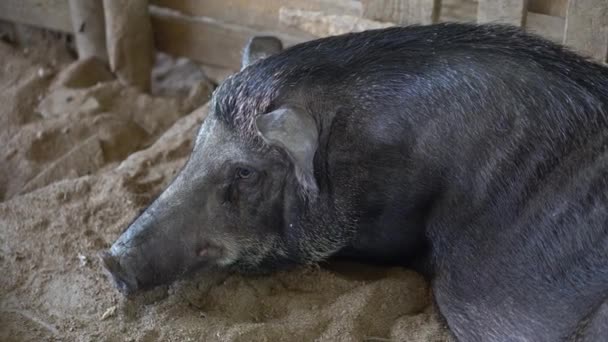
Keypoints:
(214, 31)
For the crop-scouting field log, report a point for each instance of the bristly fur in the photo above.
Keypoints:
(357, 58)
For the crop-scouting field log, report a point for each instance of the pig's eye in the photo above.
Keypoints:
(244, 173)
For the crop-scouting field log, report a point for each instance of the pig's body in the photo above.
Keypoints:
(476, 153)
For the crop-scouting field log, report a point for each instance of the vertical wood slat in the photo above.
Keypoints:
(502, 11)
(402, 12)
(586, 28)
(89, 28)
(554, 8)
(129, 39)
(548, 26)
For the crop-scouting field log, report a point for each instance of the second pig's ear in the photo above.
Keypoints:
(258, 48)
(295, 132)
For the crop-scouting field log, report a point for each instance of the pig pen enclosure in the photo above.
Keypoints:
(100, 101)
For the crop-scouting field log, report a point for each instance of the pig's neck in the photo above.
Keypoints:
(402, 173)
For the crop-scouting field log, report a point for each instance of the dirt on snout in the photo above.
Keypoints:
(81, 156)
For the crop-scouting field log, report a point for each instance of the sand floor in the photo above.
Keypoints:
(81, 155)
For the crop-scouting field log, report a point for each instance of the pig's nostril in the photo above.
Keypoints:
(118, 275)
(108, 262)
(122, 286)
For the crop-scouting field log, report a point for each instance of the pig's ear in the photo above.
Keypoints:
(258, 48)
(294, 131)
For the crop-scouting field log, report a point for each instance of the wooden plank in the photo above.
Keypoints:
(458, 11)
(502, 11)
(403, 12)
(49, 14)
(556, 8)
(259, 14)
(587, 27)
(548, 26)
(321, 25)
(89, 28)
(206, 41)
(129, 41)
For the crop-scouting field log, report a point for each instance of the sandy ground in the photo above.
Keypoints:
(81, 155)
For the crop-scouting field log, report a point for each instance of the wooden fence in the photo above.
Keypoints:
(214, 31)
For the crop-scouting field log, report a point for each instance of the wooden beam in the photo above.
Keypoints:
(548, 26)
(50, 14)
(556, 8)
(587, 27)
(458, 11)
(502, 11)
(129, 41)
(89, 28)
(402, 12)
(260, 15)
(321, 25)
(210, 42)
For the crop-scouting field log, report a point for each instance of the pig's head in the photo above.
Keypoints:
(237, 201)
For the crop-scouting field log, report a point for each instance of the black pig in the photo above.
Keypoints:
(477, 153)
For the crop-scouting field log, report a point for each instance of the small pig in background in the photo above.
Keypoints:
(476, 154)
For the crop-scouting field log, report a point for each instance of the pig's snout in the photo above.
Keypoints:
(137, 272)
(168, 240)
(125, 283)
